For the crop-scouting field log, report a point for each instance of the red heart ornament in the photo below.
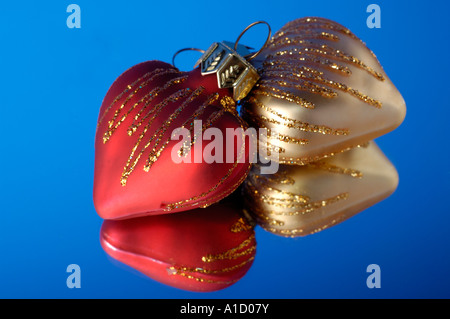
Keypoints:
(135, 173)
(200, 250)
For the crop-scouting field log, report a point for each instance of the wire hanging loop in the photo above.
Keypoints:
(185, 49)
(254, 55)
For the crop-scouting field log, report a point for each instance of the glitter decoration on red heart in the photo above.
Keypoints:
(201, 250)
(135, 174)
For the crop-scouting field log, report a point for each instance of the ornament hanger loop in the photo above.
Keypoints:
(185, 49)
(253, 55)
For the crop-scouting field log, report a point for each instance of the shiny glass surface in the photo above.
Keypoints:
(54, 79)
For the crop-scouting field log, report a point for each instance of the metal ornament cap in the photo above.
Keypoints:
(232, 69)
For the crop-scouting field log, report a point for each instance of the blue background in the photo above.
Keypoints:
(53, 80)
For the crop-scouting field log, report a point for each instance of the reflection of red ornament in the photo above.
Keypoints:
(134, 170)
(201, 250)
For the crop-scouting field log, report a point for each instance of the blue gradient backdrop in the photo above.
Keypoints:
(53, 80)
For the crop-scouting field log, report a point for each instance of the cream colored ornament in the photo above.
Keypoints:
(301, 200)
(322, 91)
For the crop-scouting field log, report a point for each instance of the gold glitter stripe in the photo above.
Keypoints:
(300, 25)
(315, 76)
(312, 206)
(131, 164)
(186, 147)
(286, 232)
(199, 279)
(204, 203)
(291, 196)
(232, 253)
(259, 120)
(302, 85)
(261, 215)
(129, 87)
(240, 225)
(180, 269)
(305, 73)
(154, 154)
(278, 136)
(277, 178)
(309, 159)
(228, 104)
(148, 98)
(312, 59)
(336, 169)
(296, 124)
(154, 74)
(287, 138)
(332, 53)
(268, 148)
(225, 193)
(280, 94)
(183, 151)
(315, 23)
(111, 126)
(291, 201)
(286, 36)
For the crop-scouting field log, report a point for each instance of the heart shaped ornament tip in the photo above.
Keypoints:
(201, 250)
(142, 167)
(321, 92)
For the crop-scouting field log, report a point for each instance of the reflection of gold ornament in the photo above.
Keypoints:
(322, 90)
(301, 200)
